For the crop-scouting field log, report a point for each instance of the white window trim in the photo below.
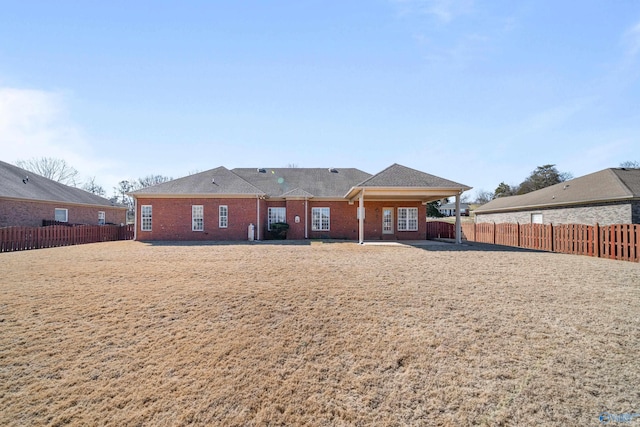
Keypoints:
(407, 219)
(269, 210)
(197, 213)
(225, 216)
(313, 219)
(537, 218)
(142, 217)
(66, 214)
(101, 218)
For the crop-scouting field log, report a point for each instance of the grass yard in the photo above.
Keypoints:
(127, 333)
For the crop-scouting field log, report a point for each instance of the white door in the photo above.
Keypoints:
(387, 220)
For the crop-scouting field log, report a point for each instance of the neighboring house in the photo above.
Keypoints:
(26, 199)
(449, 209)
(610, 196)
(223, 204)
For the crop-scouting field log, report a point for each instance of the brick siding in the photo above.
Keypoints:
(603, 214)
(25, 213)
(171, 219)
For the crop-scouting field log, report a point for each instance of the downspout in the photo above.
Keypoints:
(135, 219)
(306, 208)
(258, 217)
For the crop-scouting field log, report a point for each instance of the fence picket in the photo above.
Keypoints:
(618, 241)
(26, 238)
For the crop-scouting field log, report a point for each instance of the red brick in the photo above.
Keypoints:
(26, 213)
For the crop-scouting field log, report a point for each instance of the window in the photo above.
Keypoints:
(100, 217)
(407, 219)
(146, 217)
(62, 215)
(223, 216)
(320, 218)
(536, 218)
(276, 215)
(197, 218)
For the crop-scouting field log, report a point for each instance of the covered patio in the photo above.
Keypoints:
(399, 184)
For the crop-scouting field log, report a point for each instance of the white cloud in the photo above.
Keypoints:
(35, 123)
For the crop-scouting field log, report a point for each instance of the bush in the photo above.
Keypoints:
(279, 230)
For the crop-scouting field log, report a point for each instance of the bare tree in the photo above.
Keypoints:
(93, 187)
(630, 164)
(49, 167)
(483, 196)
(150, 180)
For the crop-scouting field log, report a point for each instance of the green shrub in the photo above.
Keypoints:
(279, 230)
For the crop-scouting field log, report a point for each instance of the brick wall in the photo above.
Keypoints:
(26, 213)
(603, 214)
(172, 219)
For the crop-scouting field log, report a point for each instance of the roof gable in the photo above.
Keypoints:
(297, 192)
(18, 183)
(605, 185)
(214, 181)
(401, 176)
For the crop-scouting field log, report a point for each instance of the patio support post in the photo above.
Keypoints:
(458, 221)
(361, 218)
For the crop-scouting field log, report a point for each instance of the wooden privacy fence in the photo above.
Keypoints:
(25, 238)
(619, 241)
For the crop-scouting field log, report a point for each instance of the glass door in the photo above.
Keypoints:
(387, 220)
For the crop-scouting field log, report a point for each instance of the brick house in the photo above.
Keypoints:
(317, 203)
(26, 199)
(610, 196)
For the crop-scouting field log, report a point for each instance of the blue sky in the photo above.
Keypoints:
(477, 92)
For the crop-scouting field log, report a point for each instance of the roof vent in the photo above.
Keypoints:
(25, 179)
(565, 186)
(333, 170)
(213, 180)
(262, 170)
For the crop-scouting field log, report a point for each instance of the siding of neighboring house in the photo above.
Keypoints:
(602, 213)
(26, 213)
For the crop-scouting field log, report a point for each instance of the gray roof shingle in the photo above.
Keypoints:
(401, 176)
(294, 182)
(605, 185)
(215, 181)
(320, 182)
(13, 184)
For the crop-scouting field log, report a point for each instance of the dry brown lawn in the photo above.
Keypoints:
(333, 334)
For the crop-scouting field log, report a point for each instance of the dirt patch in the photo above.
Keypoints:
(127, 333)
